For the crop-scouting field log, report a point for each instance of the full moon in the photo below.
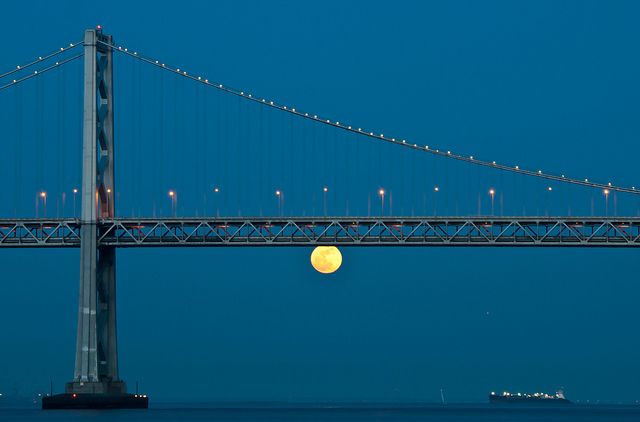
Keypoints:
(326, 259)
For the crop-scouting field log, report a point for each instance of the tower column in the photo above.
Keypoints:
(96, 364)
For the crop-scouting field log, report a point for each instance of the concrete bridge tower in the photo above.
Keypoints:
(96, 367)
(96, 382)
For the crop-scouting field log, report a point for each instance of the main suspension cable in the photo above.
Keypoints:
(40, 72)
(41, 59)
(379, 136)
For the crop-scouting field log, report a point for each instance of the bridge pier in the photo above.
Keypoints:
(96, 383)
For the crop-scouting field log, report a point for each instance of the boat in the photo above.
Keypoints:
(529, 398)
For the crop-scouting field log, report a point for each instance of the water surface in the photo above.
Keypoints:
(434, 413)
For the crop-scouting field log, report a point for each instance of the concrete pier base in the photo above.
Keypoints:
(95, 401)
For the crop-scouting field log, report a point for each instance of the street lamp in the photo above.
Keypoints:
(381, 193)
(606, 202)
(492, 192)
(43, 195)
(174, 197)
(324, 193)
(436, 189)
(215, 191)
(279, 196)
(75, 192)
(108, 199)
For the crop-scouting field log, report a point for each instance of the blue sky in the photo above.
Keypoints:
(550, 85)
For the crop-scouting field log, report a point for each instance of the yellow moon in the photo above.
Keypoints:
(326, 259)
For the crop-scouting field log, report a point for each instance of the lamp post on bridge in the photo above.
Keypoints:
(216, 191)
(108, 196)
(75, 192)
(381, 193)
(492, 193)
(548, 202)
(43, 196)
(324, 194)
(173, 196)
(279, 196)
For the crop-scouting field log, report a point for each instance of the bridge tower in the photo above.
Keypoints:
(96, 364)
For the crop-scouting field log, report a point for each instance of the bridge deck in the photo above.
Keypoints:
(343, 231)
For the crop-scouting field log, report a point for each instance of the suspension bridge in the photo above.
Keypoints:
(98, 231)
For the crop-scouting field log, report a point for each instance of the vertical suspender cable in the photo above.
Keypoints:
(63, 133)
(40, 135)
(159, 163)
(139, 147)
(261, 156)
(135, 136)
(153, 100)
(199, 154)
(347, 171)
(203, 153)
(291, 183)
(221, 169)
(315, 183)
(370, 180)
(225, 123)
(238, 156)
(18, 156)
(181, 145)
(154, 94)
(131, 138)
(413, 183)
(207, 153)
(335, 184)
(59, 153)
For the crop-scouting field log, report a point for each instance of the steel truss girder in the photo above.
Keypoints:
(39, 232)
(342, 231)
